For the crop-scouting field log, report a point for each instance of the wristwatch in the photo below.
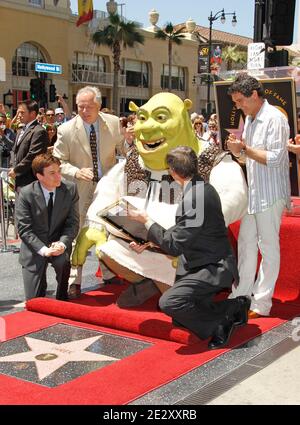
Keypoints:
(242, 151)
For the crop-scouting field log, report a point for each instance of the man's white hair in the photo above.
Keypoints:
(89, 89)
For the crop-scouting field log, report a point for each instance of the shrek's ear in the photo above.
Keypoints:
(133, 107)
(188, 104)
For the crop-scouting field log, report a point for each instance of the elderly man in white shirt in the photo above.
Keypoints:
(264, 145)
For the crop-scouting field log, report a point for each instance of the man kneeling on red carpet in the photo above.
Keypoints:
(206, 264)
(48, 222)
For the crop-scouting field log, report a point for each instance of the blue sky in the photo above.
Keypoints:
(178, 11)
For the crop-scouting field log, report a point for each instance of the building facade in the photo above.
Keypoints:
(38, 31)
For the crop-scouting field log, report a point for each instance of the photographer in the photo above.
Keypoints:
(7, 139)
(62, 113)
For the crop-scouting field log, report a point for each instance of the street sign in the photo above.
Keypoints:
(256, 55)
(2, 70)
(50, 68)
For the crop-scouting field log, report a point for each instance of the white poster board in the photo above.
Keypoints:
(2, 70)
(256, 55)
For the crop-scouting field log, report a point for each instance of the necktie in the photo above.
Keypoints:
(93, 143)
(50, 207)
(21, 134)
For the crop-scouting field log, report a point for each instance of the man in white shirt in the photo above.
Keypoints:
(48, 222)
(264, 145)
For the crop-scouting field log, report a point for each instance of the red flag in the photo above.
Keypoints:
(85, 11)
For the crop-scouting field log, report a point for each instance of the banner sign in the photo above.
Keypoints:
(216, 57)
(279, 92)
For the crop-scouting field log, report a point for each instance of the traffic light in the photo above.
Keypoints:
(277, 58)
(280, 15)
(35, 89)
(52, 93)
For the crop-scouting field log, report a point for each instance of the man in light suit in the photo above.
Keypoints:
(48, 222)
(206, 264)
(31, 141)
(80, 163)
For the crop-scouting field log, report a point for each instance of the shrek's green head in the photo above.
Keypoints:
(162, 124)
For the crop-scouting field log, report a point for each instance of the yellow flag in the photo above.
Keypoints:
(85, 11)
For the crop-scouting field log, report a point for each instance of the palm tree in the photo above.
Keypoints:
(118, 34)
(173, 36)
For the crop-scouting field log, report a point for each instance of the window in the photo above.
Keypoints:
(36, 3)
(177, 78)
(23, 62)
(85, 62)
(137, 74)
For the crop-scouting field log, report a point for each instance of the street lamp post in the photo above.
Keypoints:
(221, 14)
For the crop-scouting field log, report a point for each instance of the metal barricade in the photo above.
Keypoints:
(4, 226)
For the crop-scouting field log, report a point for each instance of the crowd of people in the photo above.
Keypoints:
(40, 146)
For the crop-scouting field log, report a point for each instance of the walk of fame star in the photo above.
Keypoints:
(238, 132)
(48, 356)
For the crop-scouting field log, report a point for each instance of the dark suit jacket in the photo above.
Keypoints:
(200, 236)
(34, 141)
(32, 221)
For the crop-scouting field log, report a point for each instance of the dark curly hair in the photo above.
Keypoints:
(245, 84)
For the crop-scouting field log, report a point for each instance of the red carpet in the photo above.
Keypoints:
(174, 353)
(128, 379)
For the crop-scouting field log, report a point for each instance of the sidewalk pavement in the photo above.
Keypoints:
(277, 384)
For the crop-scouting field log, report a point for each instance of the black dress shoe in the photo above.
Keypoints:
(241, 317)
(222, 335)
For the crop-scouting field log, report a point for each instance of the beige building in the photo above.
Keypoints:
(37, 31)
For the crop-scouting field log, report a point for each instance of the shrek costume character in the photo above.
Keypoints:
(162, 124)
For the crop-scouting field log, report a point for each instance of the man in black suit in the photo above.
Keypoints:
(48, 222)
(206, 264)
(31, 141)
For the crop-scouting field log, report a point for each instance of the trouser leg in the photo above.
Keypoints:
(268, 225)
(85, 199)
(247, 256)
(62, 268)
(190, 301)
(35, 282)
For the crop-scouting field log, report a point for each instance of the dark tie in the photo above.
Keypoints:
(93, 143)
(20, 135)
(50, 207)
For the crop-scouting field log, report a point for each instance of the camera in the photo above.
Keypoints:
(57, 98)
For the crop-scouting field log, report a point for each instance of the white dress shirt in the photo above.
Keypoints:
(269, 183)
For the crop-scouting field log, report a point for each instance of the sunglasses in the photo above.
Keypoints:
(49, 115)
